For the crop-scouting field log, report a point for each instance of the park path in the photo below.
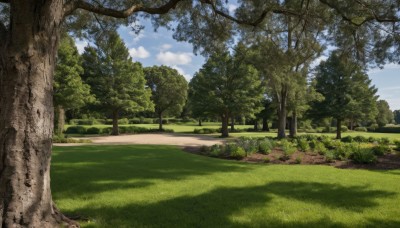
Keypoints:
(185, 140)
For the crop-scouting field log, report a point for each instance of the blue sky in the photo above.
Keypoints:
(159, 48)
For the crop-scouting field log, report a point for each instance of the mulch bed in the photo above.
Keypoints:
(386, 162)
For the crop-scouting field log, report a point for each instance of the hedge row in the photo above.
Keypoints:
(107, 130)
(128, 121)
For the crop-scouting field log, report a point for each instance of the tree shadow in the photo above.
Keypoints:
(217, 207)
(86, 170)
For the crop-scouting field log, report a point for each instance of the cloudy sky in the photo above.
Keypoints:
(159, 48)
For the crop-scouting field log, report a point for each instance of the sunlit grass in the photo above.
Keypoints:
(162, 186)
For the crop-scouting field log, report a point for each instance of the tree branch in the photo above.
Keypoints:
(371, 17)
(252, 23)
(5, 1)
(3, 33)
(71, 6)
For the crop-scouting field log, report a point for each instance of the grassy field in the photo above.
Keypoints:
(188, 128)
(161, 186)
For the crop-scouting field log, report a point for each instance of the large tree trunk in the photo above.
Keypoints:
(115, 128)
(224, 129)
(232, 124)
(265, 126)
(27, 59)
(200, 124)
(160, 121)
(256, 125)
(338, 129)
(60, 120)
(293, 125)
(282, 116)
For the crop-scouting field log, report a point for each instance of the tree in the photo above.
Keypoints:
(117, 82)
(69, 90)
(385, 115)
(168, 91)
(224, 86)
(396, 116)
(345, 87)
(29, 36)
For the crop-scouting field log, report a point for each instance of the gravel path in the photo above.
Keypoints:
(151, 139)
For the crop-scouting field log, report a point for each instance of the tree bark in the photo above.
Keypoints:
(256, 125)
(115, 129)
(282, 117)
(293, 125)
(27, 60)
(160, 121)
(200, 124)
(224, 129)
(265, 126)
(232, 124)
(338, 129)
(60, 122)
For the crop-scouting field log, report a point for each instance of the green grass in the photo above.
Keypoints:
(161, 186)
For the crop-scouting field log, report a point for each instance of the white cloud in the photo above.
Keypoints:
(139, 53)
(174, 59)
(232, 8)
(136, 37)
(182, 72)
(165, 47)
(81, 44)
(390, 66)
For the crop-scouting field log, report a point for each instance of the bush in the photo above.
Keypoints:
(381, 149)
(303, 144)
(320, 148)
(385, 141)
(344, 128)
(76, 130)
(363, 129)
(388, 130)
(249, 145)
(344, 151)
(205, 131)
(123, 121)
(372, 139)
(93, 131)
(288, 148)
(329, 156)
(364, 156)
(360, 139)
(81, 121)
(238, 153)
(397, 143)
(328, 142)
(146, 120)
(61, 139)
(134, 121)
(216, 150)
(265, 146)
(347, 139)
(106, 130)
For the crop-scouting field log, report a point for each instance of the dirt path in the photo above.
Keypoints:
(151, 139)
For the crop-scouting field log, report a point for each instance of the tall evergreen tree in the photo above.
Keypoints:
(168, 91)
(346, 90)
(70, 92)
(225, 86)
(117, 82)
(385, 115)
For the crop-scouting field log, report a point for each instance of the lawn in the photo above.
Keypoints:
(162, 186)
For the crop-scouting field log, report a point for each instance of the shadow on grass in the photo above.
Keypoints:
(85, 170)
(216, 208)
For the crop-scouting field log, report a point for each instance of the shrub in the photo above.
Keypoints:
(288, 148)
(61, 139)
(238, 153)
(364, 156)
(320, 148)
(385, 141)
(347, 139)
(134, 121)
(123, 121)
(298, 160)
(106, 130)
(397, 143)
(343, 151)
(76, 130)
(81, 121)
(93, 130)
(265, 146)
(248, 144)
(328, 142)
(205, 131)
(329, 156)
(344, 128)
(267, 160)
(360, 139)
(303, 144)
(372, 139)
(381, 149)
(146, 120)
(363, 129)
(388, 130)
(216, 150)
